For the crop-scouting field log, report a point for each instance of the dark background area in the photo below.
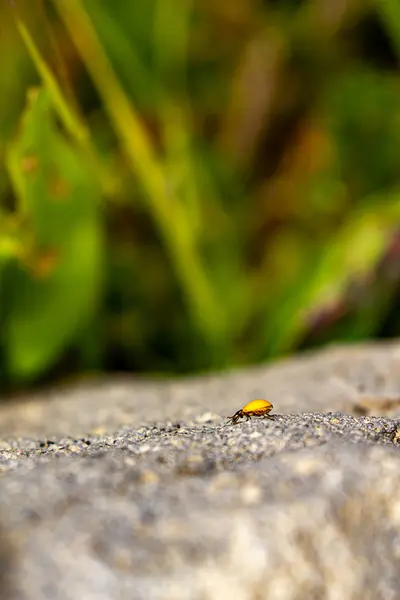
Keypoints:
(193, 185)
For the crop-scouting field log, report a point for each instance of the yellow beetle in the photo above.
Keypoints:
(255, 408)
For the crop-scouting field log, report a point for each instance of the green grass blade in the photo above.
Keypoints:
(166, 210)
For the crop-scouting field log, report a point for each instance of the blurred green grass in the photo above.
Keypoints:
(188, 185)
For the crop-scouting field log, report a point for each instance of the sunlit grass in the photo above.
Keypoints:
(245, 165)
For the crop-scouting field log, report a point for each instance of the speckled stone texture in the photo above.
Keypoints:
(132, 490)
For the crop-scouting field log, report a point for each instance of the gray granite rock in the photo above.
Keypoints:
(141, 490)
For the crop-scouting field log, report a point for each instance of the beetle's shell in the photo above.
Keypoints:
(257, 407)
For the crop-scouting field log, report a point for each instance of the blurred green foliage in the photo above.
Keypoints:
(189, 185)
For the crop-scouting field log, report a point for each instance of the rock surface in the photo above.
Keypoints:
(140, 490)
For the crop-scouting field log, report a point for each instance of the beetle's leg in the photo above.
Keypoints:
(272, 417)
(237, 416)
(234, 418)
